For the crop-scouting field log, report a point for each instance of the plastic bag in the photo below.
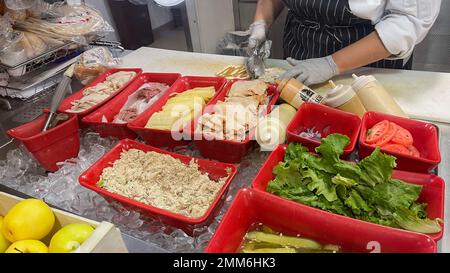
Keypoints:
(94, 62)
(234, 43)
(140, 101)
(42, 9)
(4, 78)
(78, 23)
(19, 4)
(8, 37)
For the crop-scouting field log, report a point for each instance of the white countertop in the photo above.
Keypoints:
(422, 95)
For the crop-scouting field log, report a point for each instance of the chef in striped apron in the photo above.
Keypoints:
(324, 38)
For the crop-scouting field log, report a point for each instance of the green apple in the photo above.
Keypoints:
(27, 246)
(3, 242)
(69, 238)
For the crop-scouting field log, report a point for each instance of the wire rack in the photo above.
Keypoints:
(31, 93)
(49, 85)
(50, 56)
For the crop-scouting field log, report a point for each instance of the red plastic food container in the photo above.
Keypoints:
(227, 150)
(164, 138)
(215, 170)
(425, 140)
(48, 148)
(252, 207)
(66, 103)
(432, 192)
(112, 108)
(327, 121)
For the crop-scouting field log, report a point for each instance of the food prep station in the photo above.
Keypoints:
(142, 234)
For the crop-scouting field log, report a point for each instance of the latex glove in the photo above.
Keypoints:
(258, 34)
(311, 71)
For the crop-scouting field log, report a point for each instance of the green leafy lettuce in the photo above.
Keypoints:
(363, 190)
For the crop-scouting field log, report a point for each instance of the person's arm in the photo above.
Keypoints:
(395, 36)
(268, 10)
(401, 27)
(368, 50)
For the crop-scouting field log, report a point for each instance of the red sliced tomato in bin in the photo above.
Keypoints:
(377, 131)
(396, 148)
(403, 137)
(388, 136)
(413, 151)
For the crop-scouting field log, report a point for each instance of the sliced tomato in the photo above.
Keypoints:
(403, 137)
(396, 148)
(413, 151)
(386, 138)
(377, 131)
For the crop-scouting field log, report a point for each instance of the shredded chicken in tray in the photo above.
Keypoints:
(238, 114)
(161, 181)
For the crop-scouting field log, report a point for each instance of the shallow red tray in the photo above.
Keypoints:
(425, 140)
(215, 170)
(226, 150)
(326, 120)
(252, 207)
(165, 138)
(112, 108)
(433, 191)
(48, 148)
(66, 103)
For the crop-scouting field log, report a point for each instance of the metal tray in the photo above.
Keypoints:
(50, 56)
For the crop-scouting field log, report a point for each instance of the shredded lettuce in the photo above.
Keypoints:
(363, 190)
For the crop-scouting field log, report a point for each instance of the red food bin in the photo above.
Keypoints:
(326, 120)
(425, 137)
(166, 138)
(252, 207)
(66, 103)
(215, 170)
(227, 150)
(112, 108)
(48, 148)
(433, 191)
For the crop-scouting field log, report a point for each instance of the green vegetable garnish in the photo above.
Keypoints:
(363, 190)
(100, 183)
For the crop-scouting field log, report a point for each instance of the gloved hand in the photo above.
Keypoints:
(258, 34)
(311, 71)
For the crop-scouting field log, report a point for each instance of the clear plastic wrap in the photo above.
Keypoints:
(78, 23)
(140, 101)
(6, 33)
(19, 4)
(4, 78)
(11, 49)
(94, 62)
(42, 9)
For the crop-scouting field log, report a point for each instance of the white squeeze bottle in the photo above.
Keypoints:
(374, 97)
(344, 98)
(271, 131)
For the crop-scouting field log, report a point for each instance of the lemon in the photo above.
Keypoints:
(30, 219)
(3, 242)
(69, 238)
(27, 246)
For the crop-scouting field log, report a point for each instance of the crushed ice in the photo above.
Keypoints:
(18, 171)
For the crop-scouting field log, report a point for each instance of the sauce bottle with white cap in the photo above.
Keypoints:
(344, 98)
(374, 97)
(295, 93)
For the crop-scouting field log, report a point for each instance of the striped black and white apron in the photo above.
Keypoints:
(318, 28)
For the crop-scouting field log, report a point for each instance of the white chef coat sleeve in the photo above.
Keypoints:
(405, 24)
